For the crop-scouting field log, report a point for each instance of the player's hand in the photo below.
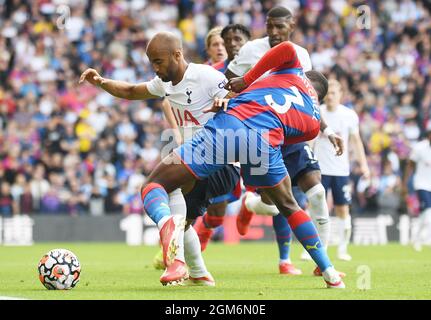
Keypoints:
(91, 76)
(338, 143)
(365, 171)
(236, 84)
(219, 104)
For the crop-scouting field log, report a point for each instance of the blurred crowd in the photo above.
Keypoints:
(73, 149)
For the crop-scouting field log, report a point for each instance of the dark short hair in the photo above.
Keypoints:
(279, 12)
(319, 82)
(236, 27)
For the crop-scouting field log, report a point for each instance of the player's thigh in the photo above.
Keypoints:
(170, 173)
(302, 165)
(309, 179)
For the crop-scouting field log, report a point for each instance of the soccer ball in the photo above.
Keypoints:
(59, 269)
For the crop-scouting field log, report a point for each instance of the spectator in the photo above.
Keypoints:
(50, 125)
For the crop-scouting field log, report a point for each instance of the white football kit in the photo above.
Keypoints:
(421, 155)
(344, 122)
(195, 93)
(252, 51)
(336, 169)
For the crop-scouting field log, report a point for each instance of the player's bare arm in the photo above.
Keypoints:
(410, 168)
(334, 138)
(119, 89)
(167, 111)
(236, 84)
(358, 149)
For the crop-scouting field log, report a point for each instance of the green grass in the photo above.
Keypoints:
(245, 271)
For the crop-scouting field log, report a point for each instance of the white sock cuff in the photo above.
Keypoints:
(177, 203)
(317, 189)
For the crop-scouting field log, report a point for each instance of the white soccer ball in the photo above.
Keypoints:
(59, 269)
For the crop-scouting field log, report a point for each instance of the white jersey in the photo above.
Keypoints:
(195, 93)
(252, 51)
(344, 122)
(421, 155)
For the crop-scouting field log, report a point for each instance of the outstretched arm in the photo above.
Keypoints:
(119, 89)
(358, 149)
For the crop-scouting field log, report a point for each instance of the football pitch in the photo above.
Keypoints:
(245, 271)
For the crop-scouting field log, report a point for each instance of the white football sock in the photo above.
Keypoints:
(178, 206)
(254, 203)
(193, 254)
(345, 233)
(424, 222)
(318, 210)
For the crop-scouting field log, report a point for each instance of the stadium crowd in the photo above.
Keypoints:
(73, 149)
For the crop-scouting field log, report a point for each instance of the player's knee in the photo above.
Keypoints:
(309, 180)
(342, 211)
(217, 210)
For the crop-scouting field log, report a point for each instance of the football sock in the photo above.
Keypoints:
(156, 203)
(283, 235)
(306, 233)
(318, 210)
(345, 233)
(178, 206)
(192, 250)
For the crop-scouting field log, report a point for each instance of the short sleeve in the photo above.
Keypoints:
(415, 153)
(155, 87)
(304, 58)
(215, 81)
(354, 123)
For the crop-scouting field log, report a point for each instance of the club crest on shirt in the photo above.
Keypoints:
(188, 93)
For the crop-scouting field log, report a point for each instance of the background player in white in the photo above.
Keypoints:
(279, 26)
(336, 169)
(420, 164)
(190, 89)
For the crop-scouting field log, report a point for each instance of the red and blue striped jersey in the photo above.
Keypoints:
(284, 103)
